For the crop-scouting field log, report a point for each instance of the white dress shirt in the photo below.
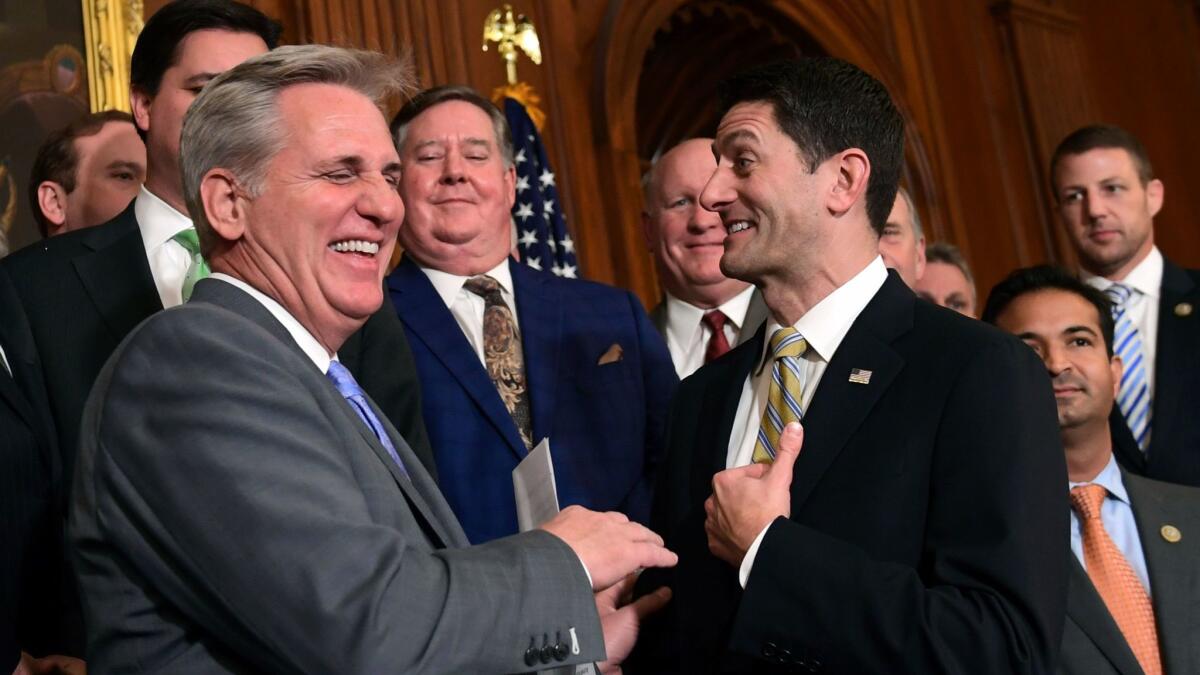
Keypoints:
(308, 344)
(1116, 512)
(468, 307)
(169, 260)
(1142, 309)
(687, 335)
(823, 327)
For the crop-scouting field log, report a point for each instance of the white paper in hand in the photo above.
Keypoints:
(533, 485)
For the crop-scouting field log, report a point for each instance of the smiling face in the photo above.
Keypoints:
(1108, 212)
(945, 285)
(201, 56)
(1064, 329)
(687, 240)
(769, 202)
(319, 235)
(901, 248)
(457, 189)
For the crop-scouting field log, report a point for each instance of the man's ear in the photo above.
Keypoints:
(223, 204)
(1117, 367)
(510, 185)
(1154, 196)
(853, 169)
(139, 104)
(52, 201)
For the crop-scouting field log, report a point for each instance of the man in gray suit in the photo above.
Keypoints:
(1123, 527)
(704, 313)
(240, 505)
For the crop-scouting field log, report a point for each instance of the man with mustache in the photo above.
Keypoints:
(703, 312)
(1133, 579)
(1107, 196)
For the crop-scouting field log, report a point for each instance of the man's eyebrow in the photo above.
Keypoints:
(421, 145)
(735, 136)
(125, 164)
(1080, 329)
(199, 79)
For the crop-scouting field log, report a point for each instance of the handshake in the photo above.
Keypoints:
(613, 549)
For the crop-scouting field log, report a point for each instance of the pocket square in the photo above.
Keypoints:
(614, 354)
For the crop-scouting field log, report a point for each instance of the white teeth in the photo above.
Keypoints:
(355, 246)
(738, 226)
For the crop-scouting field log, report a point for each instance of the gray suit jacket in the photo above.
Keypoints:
(232, 514)
(756, 314)
(1092, 644)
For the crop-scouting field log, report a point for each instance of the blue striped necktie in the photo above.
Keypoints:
(348, 387)
(1133, 397)
(785, 394)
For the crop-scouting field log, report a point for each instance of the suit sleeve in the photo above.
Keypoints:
(233, 497)
(659, 383)
(990, 597)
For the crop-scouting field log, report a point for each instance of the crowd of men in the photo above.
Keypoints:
(236, 440)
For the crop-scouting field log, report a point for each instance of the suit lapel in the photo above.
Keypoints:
(540, 314)
(1176, 348)
(117, 275)
(1088, 611)
(839, 406)
(1173, 574)
(426, 316)
(234, 299)
(725, 378)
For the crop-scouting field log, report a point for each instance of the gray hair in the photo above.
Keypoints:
(947, 253)
(918, 231)
(234, 122)
(453, 92)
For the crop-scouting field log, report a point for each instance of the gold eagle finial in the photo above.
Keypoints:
(510, 32)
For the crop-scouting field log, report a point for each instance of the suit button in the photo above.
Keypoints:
(560, 652)
(547, 654)
(770, 650)
(531, 656)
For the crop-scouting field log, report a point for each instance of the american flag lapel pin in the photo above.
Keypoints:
(860, 376)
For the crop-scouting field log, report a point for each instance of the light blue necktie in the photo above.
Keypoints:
(1133, 397)
(348, 387)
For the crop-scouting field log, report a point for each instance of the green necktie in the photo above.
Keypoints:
(198, 269)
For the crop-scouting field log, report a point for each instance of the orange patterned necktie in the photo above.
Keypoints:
(502, 353)
(1116, 581)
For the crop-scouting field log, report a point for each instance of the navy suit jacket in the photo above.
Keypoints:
(1174, 452)
(605, 422)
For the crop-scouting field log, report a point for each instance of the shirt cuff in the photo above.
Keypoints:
(585, 571)
(748, 561)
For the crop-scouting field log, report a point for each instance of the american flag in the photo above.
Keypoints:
(542, 236)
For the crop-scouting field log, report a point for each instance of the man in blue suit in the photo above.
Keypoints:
(508, 355)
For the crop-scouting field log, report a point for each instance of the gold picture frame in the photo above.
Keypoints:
(110, 30)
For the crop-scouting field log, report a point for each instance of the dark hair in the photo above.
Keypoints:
(826, 105)
(57, 159)
(1049, 277)
(1102, 136)
(431, 97)
(157, 47)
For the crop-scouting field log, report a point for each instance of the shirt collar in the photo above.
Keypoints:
(1110, 478)
(158, 220)
(304, 339)
(683, 318)
(1145, 278)
(448, 286)
(826, 324)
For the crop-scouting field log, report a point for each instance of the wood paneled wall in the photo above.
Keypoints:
(987, 88)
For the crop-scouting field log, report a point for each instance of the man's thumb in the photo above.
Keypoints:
(785, 457)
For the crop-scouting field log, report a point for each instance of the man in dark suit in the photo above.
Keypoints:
(240, 504)
(508, 355)
(703, 312)
(914, 533)
(1107, 197)
(1149, 624)
(31, 524)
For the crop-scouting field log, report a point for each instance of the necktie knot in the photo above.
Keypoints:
(198, 269)
(189, 240)
(483, 286)
(1119, 294)
(346, 385)
(1087, 500)
(788, 342)
(715, 320)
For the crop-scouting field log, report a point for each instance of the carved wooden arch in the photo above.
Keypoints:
(854, 32)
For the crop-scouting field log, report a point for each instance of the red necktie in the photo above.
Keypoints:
(717, 344)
